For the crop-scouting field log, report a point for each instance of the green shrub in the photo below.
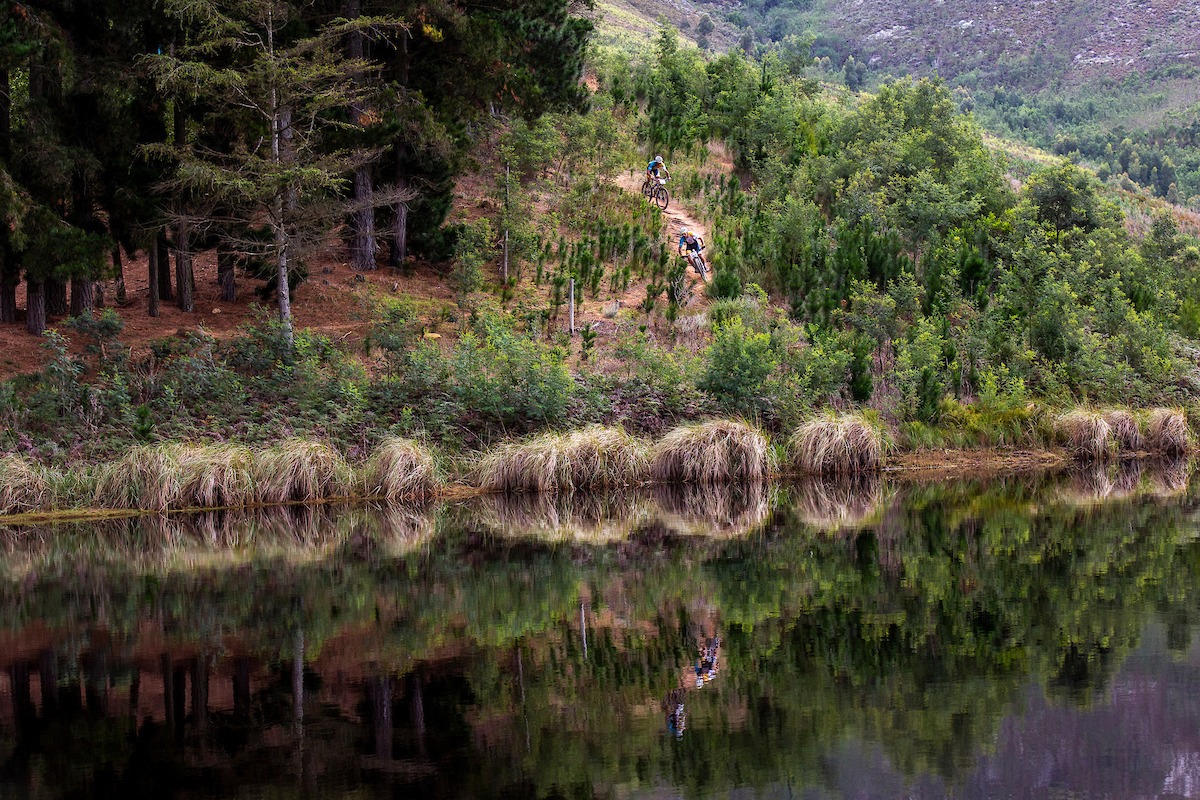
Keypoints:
(738, 363)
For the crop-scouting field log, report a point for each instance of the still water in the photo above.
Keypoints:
(1031, 637)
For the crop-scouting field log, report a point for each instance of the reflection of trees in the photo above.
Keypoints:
(915, 631)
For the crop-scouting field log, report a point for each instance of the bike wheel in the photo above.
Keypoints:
(647, 188)
(661, 198)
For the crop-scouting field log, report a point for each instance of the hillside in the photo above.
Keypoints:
(1031, 45)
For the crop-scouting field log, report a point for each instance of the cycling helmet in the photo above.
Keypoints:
(658, 160)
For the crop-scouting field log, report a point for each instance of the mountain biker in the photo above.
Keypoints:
(657, 169)
(691, 247)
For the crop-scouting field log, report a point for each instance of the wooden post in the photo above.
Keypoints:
(572, 306)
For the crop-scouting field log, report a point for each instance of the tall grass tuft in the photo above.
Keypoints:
(209, 476)
(400, 469)
(144, 478)
(24, 486)
(1167, 432)
(1125, 431)
(1086, 434)
(843, 444)
(591, 458)
(721, 451)
(300, 469)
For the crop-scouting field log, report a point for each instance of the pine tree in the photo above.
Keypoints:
(284, 82)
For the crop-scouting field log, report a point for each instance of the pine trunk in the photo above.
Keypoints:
(119, 271)
(362, 219)
(35, 306)
(56, 298)
(152, 271)
(226, 275)
(184, 282)
(362, 256)
(8, 298)
(83, 295)
(164, 267)
(10, 274)
(399, 251)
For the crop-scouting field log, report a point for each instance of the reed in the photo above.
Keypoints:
(24, 486)
(400, 469)
(594, 457)
(1086, 434)
(1125, 430)
(841, 444)
(298, 470)
(721, 451)
(1167, 432)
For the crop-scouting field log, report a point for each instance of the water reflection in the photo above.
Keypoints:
(723, 511)
(840, 503)
(953, 640)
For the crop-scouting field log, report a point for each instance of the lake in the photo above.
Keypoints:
(1025, 637)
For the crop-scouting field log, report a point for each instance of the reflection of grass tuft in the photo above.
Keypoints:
(592, 518)
(846, 502)
(724, 510)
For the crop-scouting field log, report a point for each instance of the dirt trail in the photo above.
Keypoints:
(677, 216)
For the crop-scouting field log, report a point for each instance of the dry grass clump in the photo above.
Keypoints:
(300, 469)
(1167, 431)
(400, 469)
(593, 457)
(843, 444)
(721, 451)
(24, 486)
(168, 476)
(1125, 431)
(1086, 434)
(209, 476)
(144, 478)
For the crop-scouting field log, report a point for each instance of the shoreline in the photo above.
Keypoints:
(920, 466)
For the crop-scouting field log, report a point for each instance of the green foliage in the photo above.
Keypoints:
(474, 246)
(738, 363)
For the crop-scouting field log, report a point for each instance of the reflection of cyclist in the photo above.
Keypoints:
(706, 666)
(672, 706)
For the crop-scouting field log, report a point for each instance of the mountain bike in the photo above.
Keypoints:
(695, 258)
(656, 191)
